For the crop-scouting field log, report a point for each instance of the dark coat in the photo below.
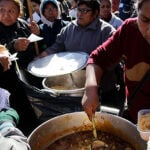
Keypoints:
(8, 35)
(50, 33)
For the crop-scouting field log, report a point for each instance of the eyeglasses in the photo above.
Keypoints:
(9, 12)
(83, 10)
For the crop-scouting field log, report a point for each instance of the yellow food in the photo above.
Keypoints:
(82, 141)
(144, 122)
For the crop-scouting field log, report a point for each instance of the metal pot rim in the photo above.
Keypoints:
(73, 121)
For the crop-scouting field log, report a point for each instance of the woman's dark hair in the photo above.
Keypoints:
(93, 4)
(139, 4)
(36, 1)
(109, 1)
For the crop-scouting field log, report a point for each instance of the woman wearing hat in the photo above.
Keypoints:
(52, 23)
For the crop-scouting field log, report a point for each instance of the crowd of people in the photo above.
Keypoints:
(115, 34)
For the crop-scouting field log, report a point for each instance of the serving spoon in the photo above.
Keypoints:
(96, 143)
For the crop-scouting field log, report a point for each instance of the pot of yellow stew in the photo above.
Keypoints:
(73, 131)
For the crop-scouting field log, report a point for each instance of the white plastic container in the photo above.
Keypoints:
(144, 123)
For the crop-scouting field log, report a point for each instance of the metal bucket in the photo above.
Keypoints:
(68, 84)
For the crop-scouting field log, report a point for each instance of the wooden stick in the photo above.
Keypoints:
(31, 19)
